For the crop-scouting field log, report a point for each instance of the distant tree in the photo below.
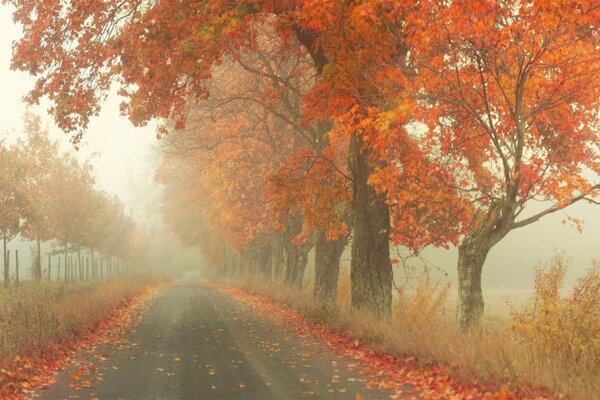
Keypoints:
(71, 204)
(12, 198)
(41, 155)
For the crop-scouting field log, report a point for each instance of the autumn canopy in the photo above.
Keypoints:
(293, 125)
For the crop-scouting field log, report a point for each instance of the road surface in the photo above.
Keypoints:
(197, 343)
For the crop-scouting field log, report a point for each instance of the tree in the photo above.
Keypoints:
(164, 53)
(262, 166)
(41, 153)
(12, 198)
(509, 92)
(70, 196)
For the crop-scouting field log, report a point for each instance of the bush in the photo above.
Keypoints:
(562, 328)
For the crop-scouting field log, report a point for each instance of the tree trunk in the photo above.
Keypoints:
(17, 267)
(297, 259)
(37, 271)
(327, 266)
(471, 257)
(100, 264)
(67, 258)
(370, 266)
(5, 259)
(264, 261)
(66, 271)
(296, 255)
(94, 272)
(235, 262)
(49, 267)
(277, 257)
(79, 264)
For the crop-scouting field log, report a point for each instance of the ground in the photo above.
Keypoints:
(195, 342)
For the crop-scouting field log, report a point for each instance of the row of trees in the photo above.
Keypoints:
(47, 195)
(409, 123)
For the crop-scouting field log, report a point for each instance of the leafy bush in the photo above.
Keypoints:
(562, 327)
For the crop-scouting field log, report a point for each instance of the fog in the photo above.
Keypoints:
(123, 157)
(124, 160)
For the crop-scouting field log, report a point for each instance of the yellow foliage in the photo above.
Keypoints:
(562, 327)
(420, 307)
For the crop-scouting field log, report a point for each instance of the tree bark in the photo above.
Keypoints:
(297, 259)
(264, 260)
(17, 267)
(100, 264)
(37, 271)
(277, 257)
(94, 272)
(327, 266)
(471, 257)
(66, 258)
(66, 271)
(237, 265)
(296, 255)
(370, 266)
(79, 264)
(5, 259)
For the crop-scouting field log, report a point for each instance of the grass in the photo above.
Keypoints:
(493, 355)
(36, 315)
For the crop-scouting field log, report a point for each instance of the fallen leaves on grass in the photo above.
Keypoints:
(19, 378)
(403, 376)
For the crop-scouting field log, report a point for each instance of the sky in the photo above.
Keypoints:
(124, 150)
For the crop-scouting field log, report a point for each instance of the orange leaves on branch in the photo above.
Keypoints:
(510, 92)
(463, 105)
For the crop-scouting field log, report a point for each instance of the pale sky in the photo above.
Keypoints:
(123, 150)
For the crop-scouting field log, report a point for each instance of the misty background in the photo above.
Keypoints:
(125, 157)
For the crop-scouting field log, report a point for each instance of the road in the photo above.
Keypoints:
(195, 342)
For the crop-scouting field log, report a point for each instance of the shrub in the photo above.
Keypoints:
(562, 327)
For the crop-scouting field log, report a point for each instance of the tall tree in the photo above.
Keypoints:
(163, 54)
(509, 92)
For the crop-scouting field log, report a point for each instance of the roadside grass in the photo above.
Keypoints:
(423, 326)
(38, 316)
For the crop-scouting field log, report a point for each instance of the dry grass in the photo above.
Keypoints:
(423, 326)
(37, 314)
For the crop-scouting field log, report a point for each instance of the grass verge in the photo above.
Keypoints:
(491, 356)
(41, 322)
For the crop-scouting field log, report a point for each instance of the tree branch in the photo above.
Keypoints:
(554, 209)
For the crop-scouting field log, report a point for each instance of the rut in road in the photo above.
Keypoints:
(195, 342)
